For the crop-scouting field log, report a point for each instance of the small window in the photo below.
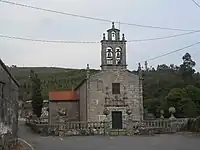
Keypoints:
(113, 36)
(115, 88)
(99, 85)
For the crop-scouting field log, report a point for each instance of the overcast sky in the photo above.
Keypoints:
(24, 22)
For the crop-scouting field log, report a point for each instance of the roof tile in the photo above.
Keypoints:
(63, 95)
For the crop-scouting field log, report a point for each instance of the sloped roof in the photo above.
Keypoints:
(67, 95)
(8, 72)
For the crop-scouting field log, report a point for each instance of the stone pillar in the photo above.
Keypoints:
(141, 92)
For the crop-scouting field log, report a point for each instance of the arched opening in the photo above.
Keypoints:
(113, 36)
(109, 55)
(118, 55)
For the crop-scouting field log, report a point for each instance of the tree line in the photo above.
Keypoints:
(173, 86)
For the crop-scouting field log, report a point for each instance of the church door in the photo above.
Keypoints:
(117, 120)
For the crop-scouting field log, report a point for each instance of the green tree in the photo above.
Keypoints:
(173, 99)
(37, 100)
(163, 67)
(185, 100)
(186, 69)
(194, 95)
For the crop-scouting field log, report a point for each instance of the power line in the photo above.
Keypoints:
(162, 38)
(177, 50)
(196, 3)
(46, 41)
(92, 42)
(92, 18)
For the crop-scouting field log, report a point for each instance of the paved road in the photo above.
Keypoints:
(158, 142)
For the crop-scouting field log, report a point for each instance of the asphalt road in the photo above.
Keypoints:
(158, 142)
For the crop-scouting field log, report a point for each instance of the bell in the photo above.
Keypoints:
(109, 55)
(118, 55)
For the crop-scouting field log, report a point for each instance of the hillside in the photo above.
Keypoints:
(163, 87)
(51, 78)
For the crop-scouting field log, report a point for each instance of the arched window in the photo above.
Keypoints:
(118, 55)
(109, 55)
(113, 36)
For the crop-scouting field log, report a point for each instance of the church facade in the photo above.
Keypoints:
(114, 91)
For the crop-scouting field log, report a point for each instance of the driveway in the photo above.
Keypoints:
(158, 142)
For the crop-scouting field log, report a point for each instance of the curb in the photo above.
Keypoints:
(188, 133)
(26, 143)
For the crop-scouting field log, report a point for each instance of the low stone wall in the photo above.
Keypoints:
(149, 127)
(69, 129)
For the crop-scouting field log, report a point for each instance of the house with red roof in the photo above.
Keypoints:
(67, 100)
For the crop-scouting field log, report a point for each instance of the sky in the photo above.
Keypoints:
(29, 23)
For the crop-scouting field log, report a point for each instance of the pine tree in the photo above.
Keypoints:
(37, 100)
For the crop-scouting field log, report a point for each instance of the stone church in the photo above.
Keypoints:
(114, 92)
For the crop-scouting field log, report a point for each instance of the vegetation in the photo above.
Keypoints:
(37, 100)
(165, 86)
(173, 86)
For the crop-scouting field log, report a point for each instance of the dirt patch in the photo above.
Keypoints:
(18, 147)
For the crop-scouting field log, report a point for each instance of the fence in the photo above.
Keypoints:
(69, 129)
(104, 128)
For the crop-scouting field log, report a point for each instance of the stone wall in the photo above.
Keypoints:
(145, 127)
(130, 84)
(82, 94)
(8, 101)
(71, 108)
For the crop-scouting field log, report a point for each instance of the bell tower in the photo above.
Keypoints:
(113, 50)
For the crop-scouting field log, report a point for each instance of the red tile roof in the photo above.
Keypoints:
(63, 95)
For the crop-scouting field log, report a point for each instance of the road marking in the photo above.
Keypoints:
(26, 143)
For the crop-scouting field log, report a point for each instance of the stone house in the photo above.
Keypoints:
(66, 101)
(9, 90)
(114, 93)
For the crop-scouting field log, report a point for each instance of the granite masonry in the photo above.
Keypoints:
(114, 93)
